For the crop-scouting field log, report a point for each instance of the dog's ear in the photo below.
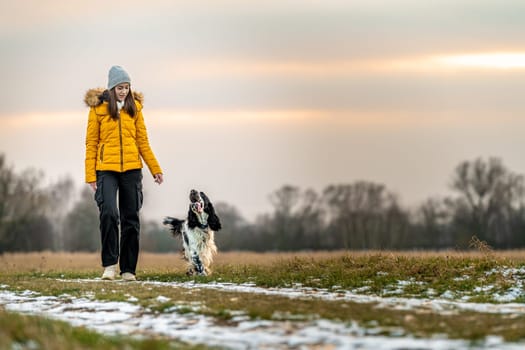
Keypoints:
(193, 221)
(214, 222)
(205, 199)
(213, 219)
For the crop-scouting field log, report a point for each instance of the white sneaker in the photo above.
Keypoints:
(127, 276)
(110, 272)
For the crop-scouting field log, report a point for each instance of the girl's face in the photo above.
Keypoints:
(122, 90)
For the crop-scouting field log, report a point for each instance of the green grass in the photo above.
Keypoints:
(424, 276)
(30, 332)
(377, 272)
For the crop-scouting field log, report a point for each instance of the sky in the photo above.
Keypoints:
(243, 97)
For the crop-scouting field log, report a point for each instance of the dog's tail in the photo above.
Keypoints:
(176, 225)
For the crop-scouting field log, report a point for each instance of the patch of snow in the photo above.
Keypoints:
(431, 292)
(28, 292)
(487, 288)
(244, 333)
(445, 304)
(28, 345)
(358, 290)
(162, 299)
(511, 294)
(461, 278)
(125, 318)
(410, 282)
(448, 295)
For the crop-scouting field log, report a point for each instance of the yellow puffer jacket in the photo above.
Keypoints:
(116, 145)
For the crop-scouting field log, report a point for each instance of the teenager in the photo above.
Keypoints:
(116, 145)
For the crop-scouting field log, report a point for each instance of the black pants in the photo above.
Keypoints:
(128, 185)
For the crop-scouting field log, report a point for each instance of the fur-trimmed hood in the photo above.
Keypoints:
(97, 96)
(119, 144)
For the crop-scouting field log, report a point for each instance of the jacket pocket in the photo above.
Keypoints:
(102, 153)
(99, 194)
(140, 196)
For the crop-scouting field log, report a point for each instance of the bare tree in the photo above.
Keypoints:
(156, 238)
(23, 224)
(80, 227)
(7, 181)
(235, 231)
(365, 215)
(297, 221)
(489, 195)
(283, 223)
(311, 218)
(58, 203)
(431, 227)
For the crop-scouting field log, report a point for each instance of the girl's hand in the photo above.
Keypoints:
(93, 185)
(158, 178)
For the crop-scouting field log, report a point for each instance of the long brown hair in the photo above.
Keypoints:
(129, 104)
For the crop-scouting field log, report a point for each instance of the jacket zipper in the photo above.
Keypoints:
(121, 150)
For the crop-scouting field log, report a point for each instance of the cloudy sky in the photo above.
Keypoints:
(242, 97)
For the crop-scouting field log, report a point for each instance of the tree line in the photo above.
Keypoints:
(487, 202)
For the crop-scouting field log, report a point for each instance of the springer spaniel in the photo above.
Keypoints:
(197, 233)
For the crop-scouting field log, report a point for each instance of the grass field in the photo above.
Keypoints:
(473, 284)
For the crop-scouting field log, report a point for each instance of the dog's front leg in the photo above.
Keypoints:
(193, 248)
(197, 263)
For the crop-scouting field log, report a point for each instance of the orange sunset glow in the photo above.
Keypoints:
(279, 92)
(485, 60)
(436, 64)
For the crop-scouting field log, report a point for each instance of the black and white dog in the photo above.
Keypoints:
(197, 233)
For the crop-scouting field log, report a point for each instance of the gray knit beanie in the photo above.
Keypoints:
(117, 75)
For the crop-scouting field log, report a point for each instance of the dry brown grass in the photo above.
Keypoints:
(88, 262)
(85, 262)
